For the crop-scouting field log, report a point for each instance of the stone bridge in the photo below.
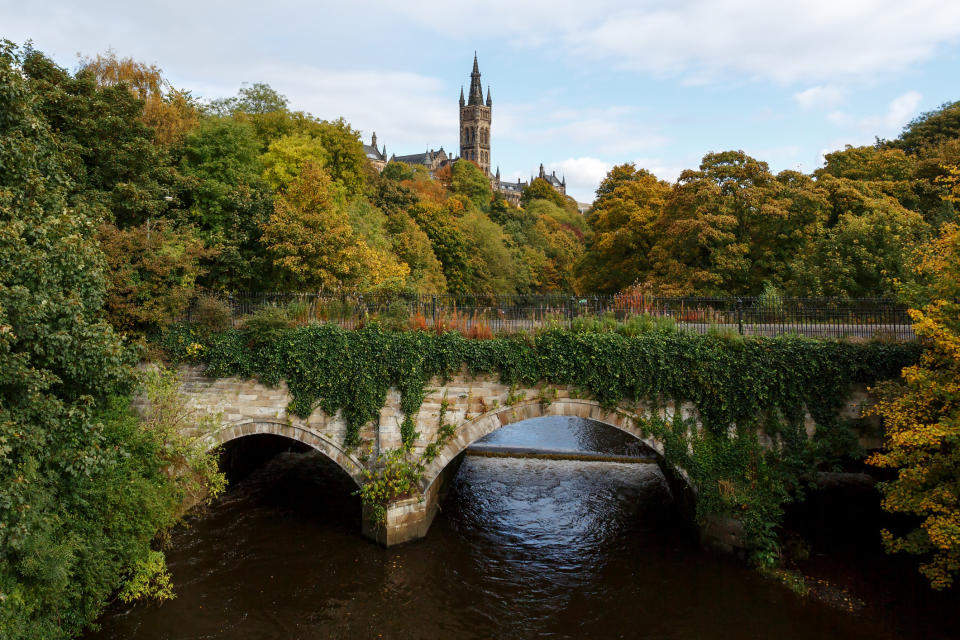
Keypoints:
(476, 406)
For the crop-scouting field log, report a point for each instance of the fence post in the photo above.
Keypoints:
(740, 315)
(433, 312)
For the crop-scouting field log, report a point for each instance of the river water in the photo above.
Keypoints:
(521, 549)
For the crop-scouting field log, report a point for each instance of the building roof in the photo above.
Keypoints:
(373, 153)
(425, 158)
(512, 186)
(476, 90)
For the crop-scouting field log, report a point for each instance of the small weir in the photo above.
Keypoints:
(494, 451)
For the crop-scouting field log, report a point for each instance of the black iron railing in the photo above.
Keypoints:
(490, 314)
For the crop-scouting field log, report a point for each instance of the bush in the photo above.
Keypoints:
(265, 325)
(212, 313)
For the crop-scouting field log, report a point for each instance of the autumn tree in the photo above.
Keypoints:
(153, 271)
(623, 221)
(169, 111)
(922, 418)
(314, 245)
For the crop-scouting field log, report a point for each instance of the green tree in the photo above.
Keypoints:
(285, 159)
(864, 251)
(930, 129)
(540, 189)
(82, 492)
(450, 242)
(109, 151)
(413, 247)
(468, 180)
(224, 197)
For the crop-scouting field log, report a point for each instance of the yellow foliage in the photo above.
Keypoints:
(171, 112)
(922, 419)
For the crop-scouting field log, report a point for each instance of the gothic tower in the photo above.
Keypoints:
(475, 122)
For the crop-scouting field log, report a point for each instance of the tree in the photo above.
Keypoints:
(170, 112)
(261, 106)
(81, 494)
(623, 223)
(109, 151)
(922, 418)
(286, 158)
(225, 198)
(540, 189)
(413, 247)
(450, 242)
(929, 129)
(865, 250)
(153, 272)
(314, 246)
(467, 179)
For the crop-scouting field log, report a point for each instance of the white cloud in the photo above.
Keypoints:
(409, 111)
(583, 175)
(614, 130)
(821, 97)
(900, 111)
(706, 40)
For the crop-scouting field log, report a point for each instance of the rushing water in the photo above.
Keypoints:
(521, 549)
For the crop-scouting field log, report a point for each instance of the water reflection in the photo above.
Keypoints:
(521, 549)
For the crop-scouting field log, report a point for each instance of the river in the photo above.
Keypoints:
(521, 549)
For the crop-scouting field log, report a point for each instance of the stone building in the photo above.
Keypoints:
(430, 159)
(374, 156)
(475, 121)
(559, 185)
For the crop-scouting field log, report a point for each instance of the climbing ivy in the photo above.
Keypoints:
(739, 387)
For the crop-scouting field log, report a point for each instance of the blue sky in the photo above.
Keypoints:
(578, 86)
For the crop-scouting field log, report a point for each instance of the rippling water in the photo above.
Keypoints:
(521, 549)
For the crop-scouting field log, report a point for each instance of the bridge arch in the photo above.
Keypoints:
(228, 432)
(491, 421)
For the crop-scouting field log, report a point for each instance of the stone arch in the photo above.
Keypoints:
(350, 465)
(491, 421)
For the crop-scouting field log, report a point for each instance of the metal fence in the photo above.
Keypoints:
(482, 315)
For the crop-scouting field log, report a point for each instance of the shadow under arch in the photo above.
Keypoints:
(227, 433)
(487, 423)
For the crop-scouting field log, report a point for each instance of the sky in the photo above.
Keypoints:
(577, 86)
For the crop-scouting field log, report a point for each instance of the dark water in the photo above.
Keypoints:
(522, 549)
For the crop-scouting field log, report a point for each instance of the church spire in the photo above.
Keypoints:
(462, 101)
(489, 101)
(476, 90)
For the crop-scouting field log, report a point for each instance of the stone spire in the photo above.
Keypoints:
(476, 90)
(462, 101)
(489, 101)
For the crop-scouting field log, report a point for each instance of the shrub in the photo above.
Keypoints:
(212, 313)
